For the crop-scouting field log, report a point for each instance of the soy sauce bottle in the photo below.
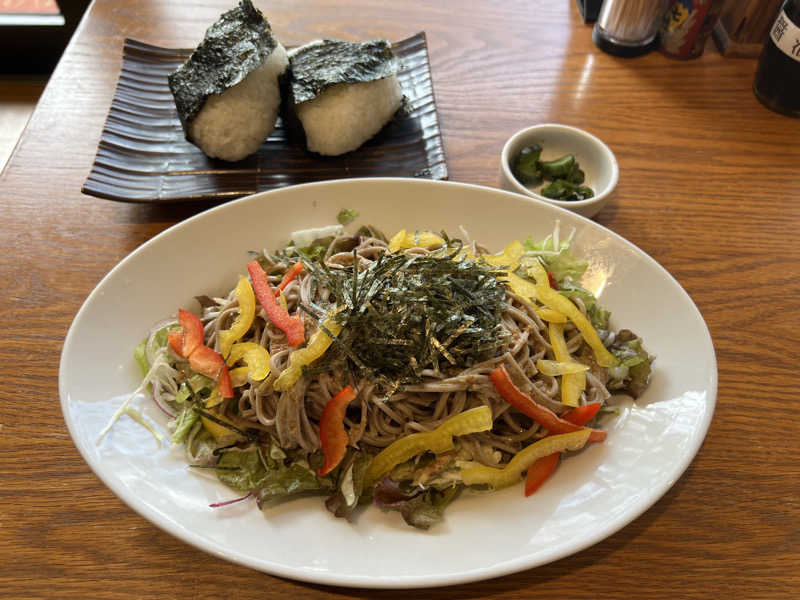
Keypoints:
(777, 81)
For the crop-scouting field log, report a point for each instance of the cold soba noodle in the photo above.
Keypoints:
(421, 330)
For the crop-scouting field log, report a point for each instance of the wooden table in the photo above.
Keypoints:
(709, 186)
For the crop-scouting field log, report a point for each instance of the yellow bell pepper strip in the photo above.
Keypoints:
(257, 368)
(283, 303)
(315, 348)
(552, 299)
(332, 435)
(293, 272)
(291, 326)
(522, 287)
(527, 406)
(572, 384)
(519, 285)
(509, 258)
(215, 398)
(526, 290)
(524, 459)
(543, 468)
(256, 357)
(553, 368)
(550, 315)
(221, 434)
(243, 321)
(438, 440)
(403, 240)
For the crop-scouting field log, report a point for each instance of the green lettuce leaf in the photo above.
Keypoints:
(558, 261)
(161, 337)
(290, 480)
(140, 356)
(267, 475)
(249, 473)
(597, 315)
(203, 448)
(316, 251)
(183, 424)
(419, 508)
(346, 216)
(184, 393)
(349, 485)
(632, 375)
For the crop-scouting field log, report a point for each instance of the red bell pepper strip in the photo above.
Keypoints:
(176, 341)
(540, 471)
(291, 326)
(581, 415)
(527, 406)
(188, 342)
(544, 467)
(190, 336)
(332, 435)
(552, 280)
(293, 272)
(210, 363)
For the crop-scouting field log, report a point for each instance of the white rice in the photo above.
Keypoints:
(233, 124)
(348, 114)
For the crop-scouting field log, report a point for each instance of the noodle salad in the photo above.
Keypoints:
(394, 371)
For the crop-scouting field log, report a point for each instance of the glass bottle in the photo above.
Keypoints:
(777, 81)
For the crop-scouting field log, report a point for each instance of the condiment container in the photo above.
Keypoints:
(687, 25)
(589, 9)
(556, 139)
(777, 81)
(628, 27)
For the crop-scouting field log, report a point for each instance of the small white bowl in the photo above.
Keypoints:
(594, 157)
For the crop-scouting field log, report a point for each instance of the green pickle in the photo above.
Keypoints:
(564, 174)
(526, 165)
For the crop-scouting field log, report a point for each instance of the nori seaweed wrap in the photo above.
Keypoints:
(228, 92)
(343, 93)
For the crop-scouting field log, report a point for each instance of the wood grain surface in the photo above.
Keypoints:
(709, 186)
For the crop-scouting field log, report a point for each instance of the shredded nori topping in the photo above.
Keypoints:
(407, 313)
(239, 42)
(321, 64)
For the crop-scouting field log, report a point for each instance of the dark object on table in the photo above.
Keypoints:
(628, 28)
(589, 9)
(777, 80)
(743, 26)
(31, 41)
(144, 157)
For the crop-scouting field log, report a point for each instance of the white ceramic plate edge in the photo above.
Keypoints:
(511, 566)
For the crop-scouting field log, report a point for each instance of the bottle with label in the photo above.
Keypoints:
(777, 81)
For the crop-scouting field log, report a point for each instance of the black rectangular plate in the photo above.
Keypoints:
(143, 155)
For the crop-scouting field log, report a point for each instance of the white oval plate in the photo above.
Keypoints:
(591, 496)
